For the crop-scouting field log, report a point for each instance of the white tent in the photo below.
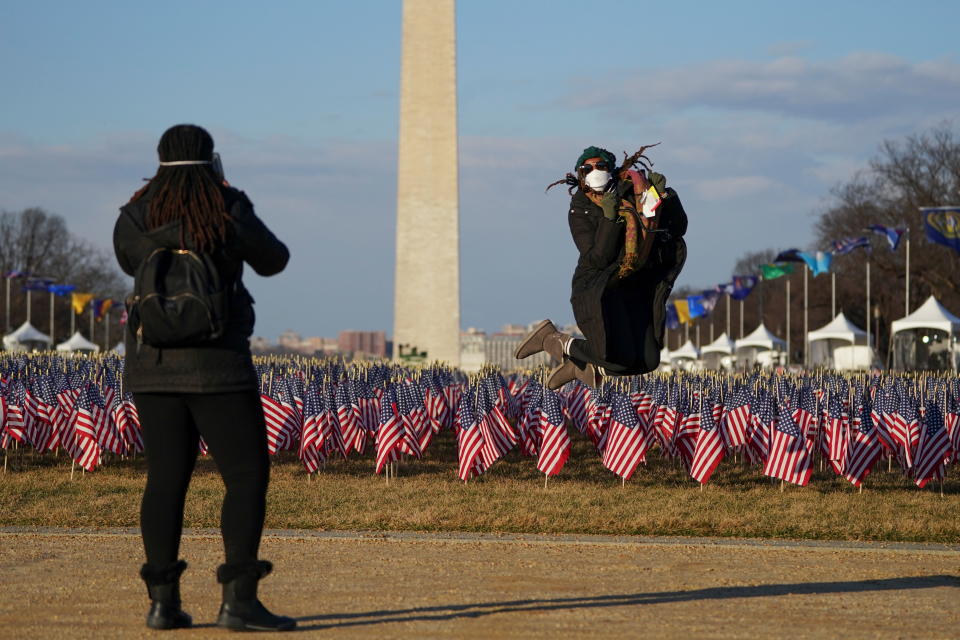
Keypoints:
(26, 338)
(759, 347)
(686, 357)
(925, 339)
(664, 359)
(78, 343)
(719, 353)
(120, 348)
(830, 345)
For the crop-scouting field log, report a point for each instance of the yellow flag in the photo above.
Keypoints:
(105, 305)
(79, 301)
(683, 310)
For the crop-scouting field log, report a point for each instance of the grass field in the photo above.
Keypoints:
(585, 498)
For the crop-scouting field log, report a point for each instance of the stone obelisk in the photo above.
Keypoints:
(427, 287)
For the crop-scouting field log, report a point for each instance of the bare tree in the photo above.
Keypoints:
(40, 244)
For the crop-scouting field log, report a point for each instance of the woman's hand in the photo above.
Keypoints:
(659, 181)
(608, 202)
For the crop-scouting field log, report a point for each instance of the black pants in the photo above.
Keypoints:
(233, 427)
(631, 345)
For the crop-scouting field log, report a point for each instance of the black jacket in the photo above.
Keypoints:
(601, 245)
(222, 365)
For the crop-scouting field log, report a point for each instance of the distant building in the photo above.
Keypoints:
(478, 348)
(371, 344)
(472, 354)
(290, 339)
(259, 344)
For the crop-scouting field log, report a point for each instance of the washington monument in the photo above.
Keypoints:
(427, 286)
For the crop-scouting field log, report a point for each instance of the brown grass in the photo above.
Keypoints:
(585, 498)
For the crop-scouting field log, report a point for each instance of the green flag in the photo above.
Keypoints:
(775, 270)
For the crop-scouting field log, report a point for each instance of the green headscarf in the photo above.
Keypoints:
(597, 152)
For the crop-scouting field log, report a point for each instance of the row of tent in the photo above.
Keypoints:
(29, 338)
(925, 339)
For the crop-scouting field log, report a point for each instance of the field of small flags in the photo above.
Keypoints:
(783, 425)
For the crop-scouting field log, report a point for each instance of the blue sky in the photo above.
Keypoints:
(761, 108)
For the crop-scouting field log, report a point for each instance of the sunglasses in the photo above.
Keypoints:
(587, 168)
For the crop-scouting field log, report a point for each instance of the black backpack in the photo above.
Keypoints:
(179, 299)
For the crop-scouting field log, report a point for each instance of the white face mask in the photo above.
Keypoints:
(597, 180)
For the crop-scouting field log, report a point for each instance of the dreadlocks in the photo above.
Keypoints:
(189, 193)
(638, 159)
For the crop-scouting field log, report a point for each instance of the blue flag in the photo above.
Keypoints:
(742, 286)
(818, 262)
(942, 225)
(695, 304)
(892, 234)
(849, 244)
(61, 289)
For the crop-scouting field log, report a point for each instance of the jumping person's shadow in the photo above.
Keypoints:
(480, 609)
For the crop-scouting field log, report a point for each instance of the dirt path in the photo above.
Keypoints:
(425, 586)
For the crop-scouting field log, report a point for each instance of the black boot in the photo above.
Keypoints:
(163, 587)
(241, 610)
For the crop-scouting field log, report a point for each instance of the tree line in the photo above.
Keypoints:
(39, 243)
(921, 170)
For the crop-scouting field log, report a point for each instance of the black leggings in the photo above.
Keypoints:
(631, 345)
(233, 427)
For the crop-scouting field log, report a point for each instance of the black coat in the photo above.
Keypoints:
(222, 365)
(601, 245)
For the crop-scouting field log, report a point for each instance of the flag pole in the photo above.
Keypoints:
(906, 297)
(28, 306)
(788, 319)
(869, 347)
(833, 295)
(728, 316)
(73, 318)
(52, 340)
(8, 305)
(806, 343)
(741, 318)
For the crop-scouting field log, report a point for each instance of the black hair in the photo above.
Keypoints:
(189, 193)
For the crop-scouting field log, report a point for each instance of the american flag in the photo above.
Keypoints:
(933, 448)
(789, 458)
(835, 432)
(805, 412)
(85, 419)
(626, 440)
(761, 422)
(14, 422)
(736, 419)
(688, 419)
(348, 414)
(412, 419)
(863, 448)
(310, 439)
(333, 443)
(528, 427)
(953, 425)
(555, 447)
(390, 431)
(578, 396)
(709, 449)
(108, 437)
(497, 440)
(598, 419)
(905, 429)
(469, 439)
